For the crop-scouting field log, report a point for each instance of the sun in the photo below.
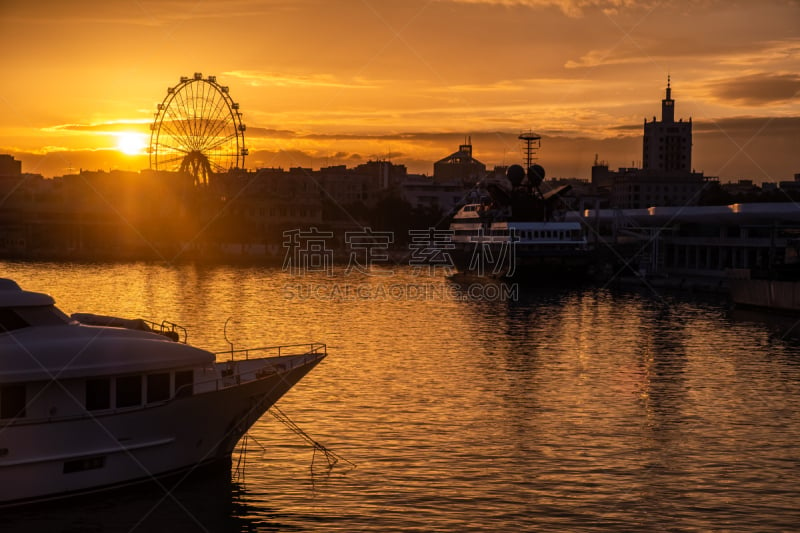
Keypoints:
(131, 143)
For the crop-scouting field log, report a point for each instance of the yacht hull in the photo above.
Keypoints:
(527, 262)
(55, 458)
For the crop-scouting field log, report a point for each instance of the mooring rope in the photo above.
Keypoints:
(238, 472)
(330, 456)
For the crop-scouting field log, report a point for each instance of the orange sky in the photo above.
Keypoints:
(323, 83)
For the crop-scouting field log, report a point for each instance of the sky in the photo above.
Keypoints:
(323, 83)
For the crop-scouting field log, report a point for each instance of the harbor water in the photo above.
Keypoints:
(463, 405)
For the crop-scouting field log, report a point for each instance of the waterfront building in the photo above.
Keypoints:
(461, 166)
(96, 213)
(742, 187)
(705, 241)
(259, 205)
(790, 185)
(366, 183)
(23, 197)
(453, 178)
(423, 192)
(9, 166)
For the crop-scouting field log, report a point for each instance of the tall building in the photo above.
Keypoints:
(666, 177)
(10, 166)
(667, 144)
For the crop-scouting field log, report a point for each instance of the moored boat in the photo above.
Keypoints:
(85, 408)
(514, 232)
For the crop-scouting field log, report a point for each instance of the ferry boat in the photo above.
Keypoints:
(99, 403)
(515, 233)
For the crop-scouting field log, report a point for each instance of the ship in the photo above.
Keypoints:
(516, 230)
(91, 403)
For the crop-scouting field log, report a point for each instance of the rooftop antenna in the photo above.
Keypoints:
(533, 142)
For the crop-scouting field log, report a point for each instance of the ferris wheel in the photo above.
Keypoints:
(198, 129)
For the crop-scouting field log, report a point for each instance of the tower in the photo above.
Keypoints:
(668, 106)
(667, 144)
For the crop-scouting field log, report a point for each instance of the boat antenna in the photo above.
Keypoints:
(225, 334)
(532, 142)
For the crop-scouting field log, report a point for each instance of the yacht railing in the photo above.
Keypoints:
(312, 348)
(168, 329)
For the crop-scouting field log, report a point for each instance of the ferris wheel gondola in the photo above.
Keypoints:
(198, 129)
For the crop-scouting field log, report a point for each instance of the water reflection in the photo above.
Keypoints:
(206, 500)
(662, 364)
(781, 326)
(558, 409)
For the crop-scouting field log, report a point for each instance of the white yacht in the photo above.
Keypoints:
(85, 408)
(516, 234)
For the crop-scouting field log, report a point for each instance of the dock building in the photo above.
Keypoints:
(759, 239)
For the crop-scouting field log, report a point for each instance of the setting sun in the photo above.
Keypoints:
(130, 143)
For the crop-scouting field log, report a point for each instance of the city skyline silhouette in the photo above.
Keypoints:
(323, 85)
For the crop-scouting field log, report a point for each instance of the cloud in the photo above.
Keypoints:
(758, 89)
(261, 78)
(605, 57)
(769, 51)
(270, 133)
(571, 8)
(742, 125)
(140, 13)
(490, 87)
(410, 136)
(680, 46)
(102, 127)
(787, 127)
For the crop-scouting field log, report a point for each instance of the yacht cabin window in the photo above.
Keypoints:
(10, 320)
(157, 387)
(98, 394)
(44, 315)
(183, 383)
(22, 317)
(129, 391)
(12, 401)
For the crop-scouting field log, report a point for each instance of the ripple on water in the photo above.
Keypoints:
(582, 409)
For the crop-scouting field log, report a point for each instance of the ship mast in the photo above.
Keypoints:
(532, 142)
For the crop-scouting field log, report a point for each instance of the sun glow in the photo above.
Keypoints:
(131, 143)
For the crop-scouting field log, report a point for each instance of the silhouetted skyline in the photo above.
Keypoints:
(324, 83)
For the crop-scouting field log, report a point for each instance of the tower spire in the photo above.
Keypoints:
(668, 105)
